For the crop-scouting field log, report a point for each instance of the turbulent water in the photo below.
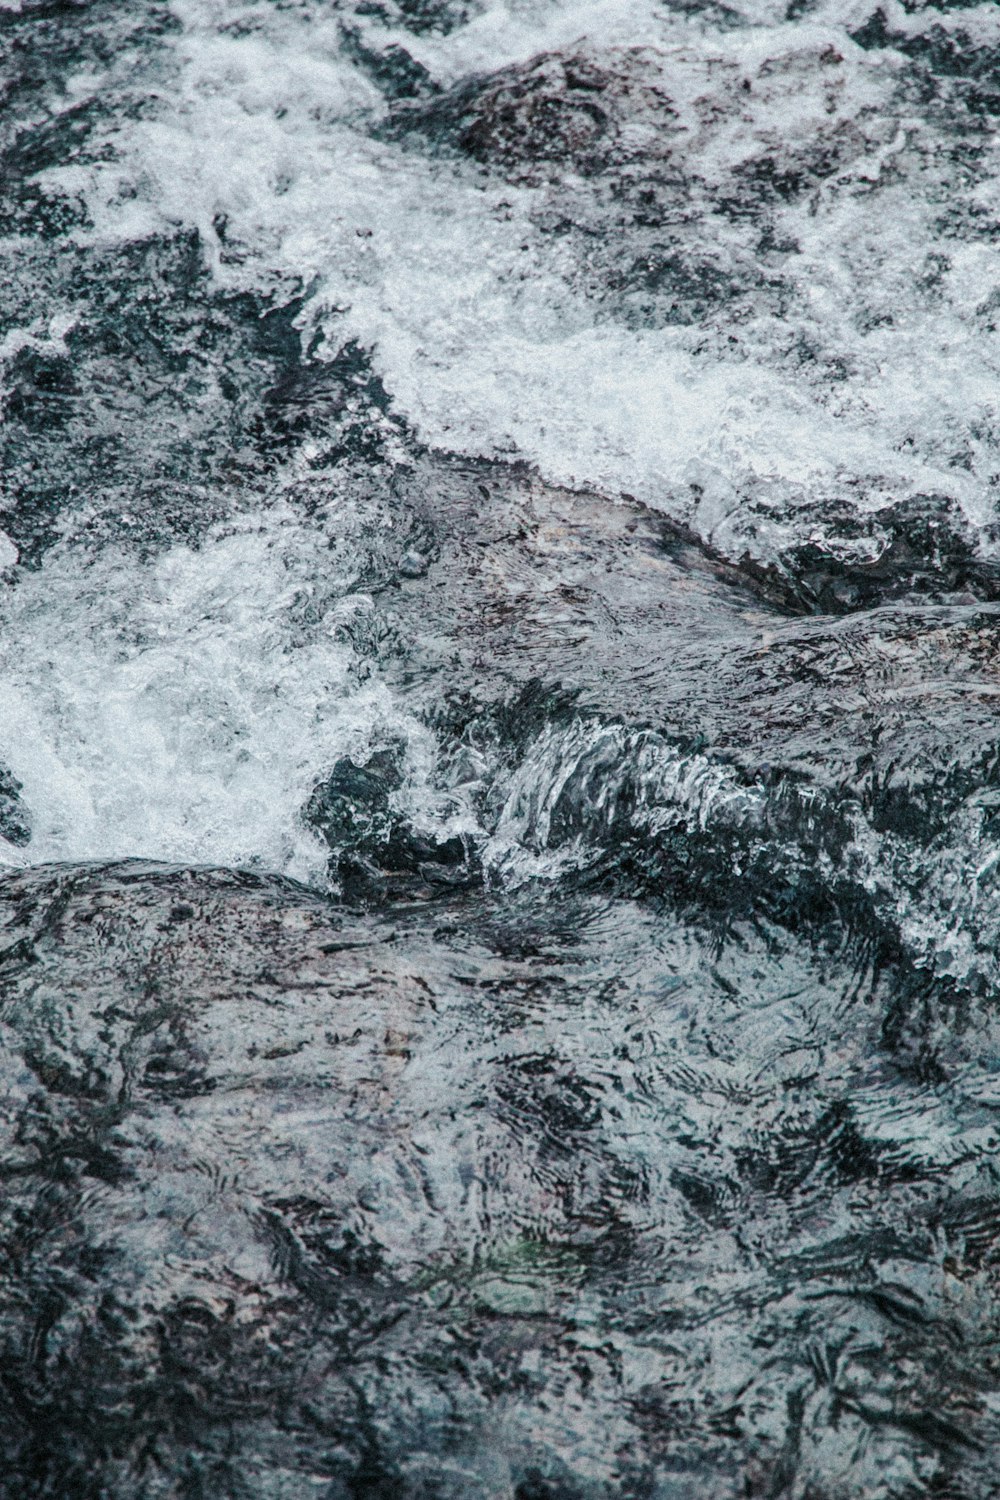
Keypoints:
(499, 750)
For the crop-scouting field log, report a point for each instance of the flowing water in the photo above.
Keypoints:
(499, 750)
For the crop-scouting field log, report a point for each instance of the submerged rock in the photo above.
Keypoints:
(612, 703)
(474, 1209)
(376, 852)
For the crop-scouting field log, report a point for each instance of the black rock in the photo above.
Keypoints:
(15, 824)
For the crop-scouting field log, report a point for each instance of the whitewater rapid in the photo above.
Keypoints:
(758, 302)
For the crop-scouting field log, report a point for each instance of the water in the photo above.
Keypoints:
(499, 787)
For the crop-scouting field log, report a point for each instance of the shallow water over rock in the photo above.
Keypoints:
(461, 1202)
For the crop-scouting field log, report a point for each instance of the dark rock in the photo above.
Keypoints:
(393, 70)
(922, 547)
(418, 16)
(950, 62)
(557, 111)
(376, 854)
(15, 823)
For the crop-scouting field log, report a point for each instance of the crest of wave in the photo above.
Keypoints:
(593, 797)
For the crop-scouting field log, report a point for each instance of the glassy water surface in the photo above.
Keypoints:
(499, 777)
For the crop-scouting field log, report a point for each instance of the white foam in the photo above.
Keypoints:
(477, 320)
(183, 710)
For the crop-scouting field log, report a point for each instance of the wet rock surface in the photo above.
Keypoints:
(620, 709)
(458, 1203)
